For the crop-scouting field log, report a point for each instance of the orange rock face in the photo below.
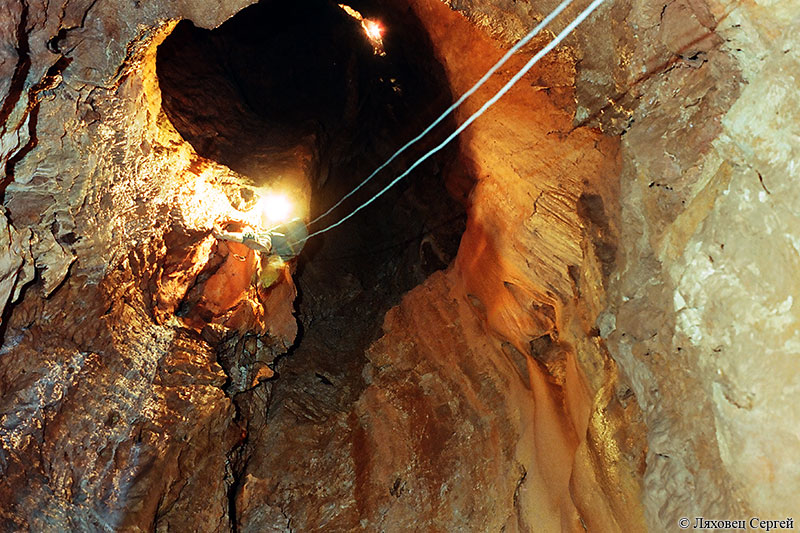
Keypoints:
(227, 286)
(612, 347)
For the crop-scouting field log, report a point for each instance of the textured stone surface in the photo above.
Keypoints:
(702, 317)
(612, 348)
(113, 415)
(535, 258)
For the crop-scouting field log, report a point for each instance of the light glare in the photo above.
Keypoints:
(274, 208)
(373, 29)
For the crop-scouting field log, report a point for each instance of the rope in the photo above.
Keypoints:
(524, 70)
(522, 42)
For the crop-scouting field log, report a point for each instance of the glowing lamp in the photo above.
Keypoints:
(373, 29)
(274, 208)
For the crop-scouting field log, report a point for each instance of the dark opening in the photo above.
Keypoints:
(291, 93)
(294, 91)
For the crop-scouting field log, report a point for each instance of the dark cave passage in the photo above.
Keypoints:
(294, 97)
(283, 89)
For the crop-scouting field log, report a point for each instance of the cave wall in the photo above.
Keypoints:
(532, 265)
(700, 312)
(110, 419)
(621, 325)
(709, 258)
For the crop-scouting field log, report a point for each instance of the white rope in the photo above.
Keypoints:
(524, 70)
(522, 42)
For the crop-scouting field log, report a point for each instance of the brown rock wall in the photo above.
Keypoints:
(535, 260)
(111, 418)
(615, 340)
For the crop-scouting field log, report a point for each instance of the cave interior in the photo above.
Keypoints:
(294, 97)
(548, 325)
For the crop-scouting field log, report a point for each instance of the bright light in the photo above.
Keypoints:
(274, 208)
(352, 12)
(374, 32)
(373, 29)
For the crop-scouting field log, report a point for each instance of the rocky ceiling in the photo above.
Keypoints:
(579, 317)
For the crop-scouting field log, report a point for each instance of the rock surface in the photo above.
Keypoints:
(702, 317)
(112, 416)
(612, 348)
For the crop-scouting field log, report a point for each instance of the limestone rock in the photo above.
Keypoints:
(612, 347)
(703, 296)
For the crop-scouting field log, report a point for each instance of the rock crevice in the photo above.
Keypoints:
(581, 316)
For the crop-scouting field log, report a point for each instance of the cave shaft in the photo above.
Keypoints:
(581, 316)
